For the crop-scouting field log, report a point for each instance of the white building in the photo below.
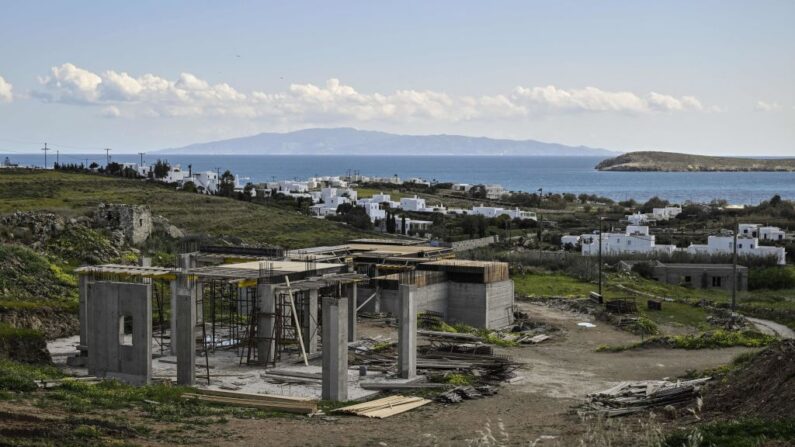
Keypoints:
(638, 218)
(771, 234)
(494, 192)
(461, 187)
(413, 226)
(635, 240)
(569, 240)
(746, 246)
(412, 204)
(765, 233)
(492, 211)
(668, 212)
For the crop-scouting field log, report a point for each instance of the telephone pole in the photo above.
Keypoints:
(734, 267)
(57, 157)
(142, 157)
(601, 220)
(107, 156)
(45, 149)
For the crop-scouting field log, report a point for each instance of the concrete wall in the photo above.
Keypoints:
(500, 301)
(466, 303)
(458, 302)
(473, 243)
(110, 354)
(701, 277)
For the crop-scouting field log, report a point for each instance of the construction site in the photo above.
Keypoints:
(282, 327)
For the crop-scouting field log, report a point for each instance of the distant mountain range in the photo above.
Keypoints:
(347, 141)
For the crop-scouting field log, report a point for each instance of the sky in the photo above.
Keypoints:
(706, 77)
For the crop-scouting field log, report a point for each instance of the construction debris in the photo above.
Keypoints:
(632, 397)
(385, 407)
(260, 401)
(465, 393)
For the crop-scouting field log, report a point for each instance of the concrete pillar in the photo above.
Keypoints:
(407, 333)
(266, 323)
(309, 325)
(352, 304)
(335, 349)
(173, 317)
(185, 338)
(82, 289)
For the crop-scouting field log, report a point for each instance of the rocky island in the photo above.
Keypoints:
(675, 162)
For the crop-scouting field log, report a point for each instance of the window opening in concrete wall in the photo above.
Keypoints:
(125, 330)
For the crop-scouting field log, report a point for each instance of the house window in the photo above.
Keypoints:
(126, 330)
(741, 246)
(688, 279)
(716, 281)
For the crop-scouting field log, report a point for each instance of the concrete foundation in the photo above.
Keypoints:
(120, 331)
(407, 333)
(335, 349)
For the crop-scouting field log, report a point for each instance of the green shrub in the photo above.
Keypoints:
(21, 377)
(772, 278)
(738, 433)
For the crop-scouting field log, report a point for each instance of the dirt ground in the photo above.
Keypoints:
(532, 411)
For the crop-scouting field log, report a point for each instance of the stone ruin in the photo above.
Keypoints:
(134, 221)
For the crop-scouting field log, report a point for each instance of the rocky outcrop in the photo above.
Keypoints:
(53, 323)
(673, 162)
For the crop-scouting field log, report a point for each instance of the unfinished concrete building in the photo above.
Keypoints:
(259, 308)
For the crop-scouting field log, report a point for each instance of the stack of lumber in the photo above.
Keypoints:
(632, 397)
(261, 401)
(385, 407)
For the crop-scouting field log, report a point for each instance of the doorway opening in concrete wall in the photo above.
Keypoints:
(125, 330)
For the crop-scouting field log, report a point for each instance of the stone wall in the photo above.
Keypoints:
(134, 221)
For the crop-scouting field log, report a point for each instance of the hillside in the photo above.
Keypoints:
(347, 141)
(77, 194)
(674, 162)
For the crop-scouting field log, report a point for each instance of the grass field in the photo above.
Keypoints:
(776, 305)
(74, 194)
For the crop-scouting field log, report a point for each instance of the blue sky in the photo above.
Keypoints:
(704, 77)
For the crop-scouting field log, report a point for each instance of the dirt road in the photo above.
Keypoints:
(772, 328)
(556, 375)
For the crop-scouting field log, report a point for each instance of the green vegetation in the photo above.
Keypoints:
(488, 336)
(16, 376)
(674, 162)
(706, 340)
(75, 194)
(28, 279)
(459, 379)
(551, 285)
(772, 278)
(736, 433)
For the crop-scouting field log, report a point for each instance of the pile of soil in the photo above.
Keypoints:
(763, 387)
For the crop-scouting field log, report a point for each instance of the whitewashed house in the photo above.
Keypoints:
(637, 218)
(746, 246)
(635, 240)
(412, 203)
(492, 211)
(772, 234)
(494, 192)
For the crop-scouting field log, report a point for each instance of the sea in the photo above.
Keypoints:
(551, 174)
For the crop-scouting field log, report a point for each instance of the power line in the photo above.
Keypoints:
(45, 149)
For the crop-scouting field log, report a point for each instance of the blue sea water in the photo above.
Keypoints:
(553, 174)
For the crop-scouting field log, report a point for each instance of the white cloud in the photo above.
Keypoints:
(150, 95)
(763, 106)
(6, 90)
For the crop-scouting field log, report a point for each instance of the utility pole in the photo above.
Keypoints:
(45, 149)
(57, 157)
(734, 267)
(107, 156)
(601, 219)
(142, 157)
